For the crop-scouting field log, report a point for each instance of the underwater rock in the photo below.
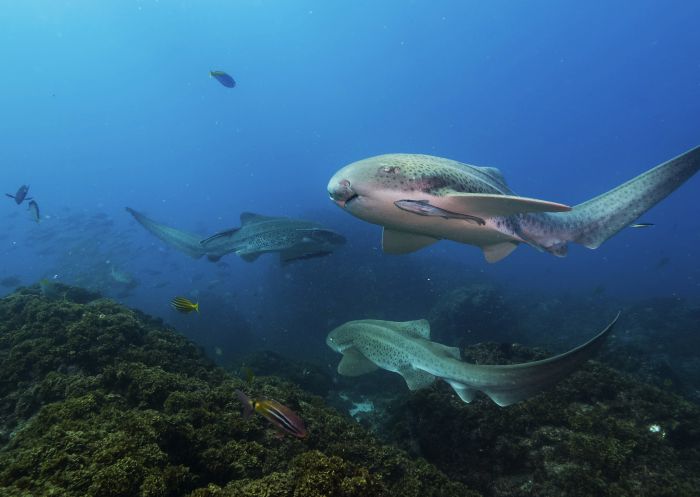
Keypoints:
(98, 400)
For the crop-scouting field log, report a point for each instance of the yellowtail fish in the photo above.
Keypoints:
(184, 305)
(282, 417)
(641, 225)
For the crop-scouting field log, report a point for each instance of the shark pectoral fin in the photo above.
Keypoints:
(491, 205)
(498, 251)
(214, 257)
(402, 242)
(416, 378)
(354, 363)
(463, 391)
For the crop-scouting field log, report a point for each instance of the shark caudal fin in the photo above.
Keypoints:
(183, 241)
(512, 383)
(594, 221)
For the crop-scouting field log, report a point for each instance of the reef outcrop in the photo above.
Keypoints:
(100, 400)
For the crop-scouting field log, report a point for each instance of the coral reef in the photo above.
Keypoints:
(99, 400)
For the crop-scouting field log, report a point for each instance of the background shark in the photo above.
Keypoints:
(374, 189)
(405, 348)
(292, 238)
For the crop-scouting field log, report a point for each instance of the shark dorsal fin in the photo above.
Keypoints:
(251, 217)
(402, 242)
(354, 363)
(491, 205)
(420, 328)
(494, 173)
(445, 350)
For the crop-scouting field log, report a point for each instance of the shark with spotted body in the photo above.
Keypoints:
(292, 239)
(405, 348)
(378, 189)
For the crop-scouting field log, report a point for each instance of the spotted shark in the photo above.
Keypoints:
(378, 189)
(405, 348)
(293, 239)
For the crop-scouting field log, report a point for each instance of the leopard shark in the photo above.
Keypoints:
(293, 239)
(405, 348)
(409, 194)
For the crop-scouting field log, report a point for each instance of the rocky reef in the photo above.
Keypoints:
(100, 400)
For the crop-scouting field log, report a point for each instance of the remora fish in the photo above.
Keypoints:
(423, 208)
(293, 239)
(368, 189)
(405, 348)
(21, 194)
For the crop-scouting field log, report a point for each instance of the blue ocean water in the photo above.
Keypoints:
(110, 104)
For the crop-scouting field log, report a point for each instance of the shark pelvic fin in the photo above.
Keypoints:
(486, 205)
(498, 251)
(402, 242)
(354, 363)
(416, 378)
(463, 391)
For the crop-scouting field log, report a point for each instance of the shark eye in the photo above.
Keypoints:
(390, 169)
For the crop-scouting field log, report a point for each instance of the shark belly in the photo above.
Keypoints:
(382, 211)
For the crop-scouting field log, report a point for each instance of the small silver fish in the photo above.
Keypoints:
(641, 225)
(423, 208)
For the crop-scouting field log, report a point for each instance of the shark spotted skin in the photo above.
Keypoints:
(373, 188)
(405, 348)
(293, 239)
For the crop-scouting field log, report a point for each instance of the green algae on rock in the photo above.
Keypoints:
(98, 400)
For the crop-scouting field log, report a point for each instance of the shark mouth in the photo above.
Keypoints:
(350, 199)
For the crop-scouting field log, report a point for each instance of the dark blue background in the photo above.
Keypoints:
(109, 104)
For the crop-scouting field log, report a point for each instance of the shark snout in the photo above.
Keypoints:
(341, 192)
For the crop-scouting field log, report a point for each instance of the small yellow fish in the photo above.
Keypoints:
(184, 305)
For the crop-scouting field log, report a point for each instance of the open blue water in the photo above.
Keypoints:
(110, 104)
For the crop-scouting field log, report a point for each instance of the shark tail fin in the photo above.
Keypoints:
(593, 222)
(509, 384)
(183, 241)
